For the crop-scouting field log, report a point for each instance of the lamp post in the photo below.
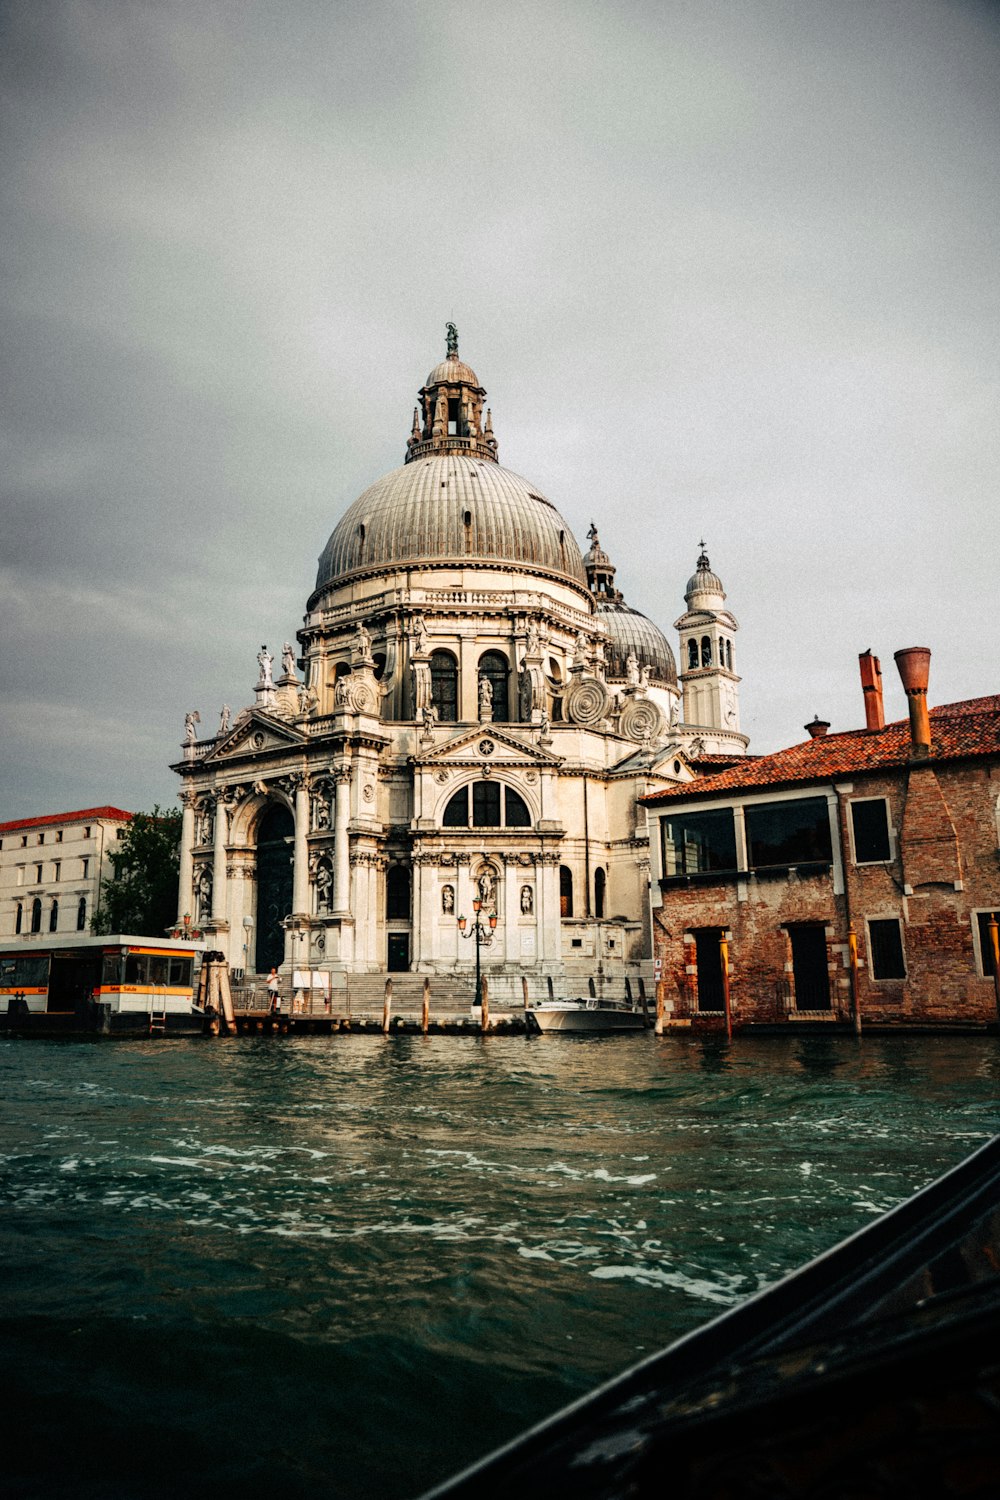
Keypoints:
(483, 934)
(247, 929)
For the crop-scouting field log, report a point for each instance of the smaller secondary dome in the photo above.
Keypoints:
(630, 631)
(704, 581)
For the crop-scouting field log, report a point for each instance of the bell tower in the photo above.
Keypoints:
(707, 631)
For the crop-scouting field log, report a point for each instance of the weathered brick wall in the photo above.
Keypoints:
(950, 824)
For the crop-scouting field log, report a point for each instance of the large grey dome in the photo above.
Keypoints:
(628, 630)
(451, 508)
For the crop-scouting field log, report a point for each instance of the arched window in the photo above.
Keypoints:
(493, 806)
(19, 918)
(54, 916)
(36, 914)
(592, 987)
(81, 914)
(494, 666)
(565, 891)
(444, 686)
(706, 651)
(729, 655)
(692, 655)
(397, 894)
(599, 879)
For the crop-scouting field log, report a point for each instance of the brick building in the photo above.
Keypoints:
(889, 833)
(52, 869)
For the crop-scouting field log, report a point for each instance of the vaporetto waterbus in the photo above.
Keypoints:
(116, 985)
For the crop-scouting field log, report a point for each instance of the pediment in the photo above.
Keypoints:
(662, 762)
(257, 734)
(504, 749)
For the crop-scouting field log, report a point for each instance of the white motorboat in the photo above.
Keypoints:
(589, 1016)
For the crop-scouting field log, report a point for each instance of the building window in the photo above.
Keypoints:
(36, 914)
(41, 838)
(86, 867)
(886, 943)
(38, 874)
(81, 914)
(20, 874)
(983, 919)
(493, 806)
(494, 666)
(18, 917)
(54, 916)
(788, 833)
(86, 832)
(24, 841)
(565, 891)
(870, 823)
(599, 882)
(698, 843)
(706, 651)
(692, 655)
(397, 894)
(729, 655)
(57, 870)
(59, 835)
(444, 686)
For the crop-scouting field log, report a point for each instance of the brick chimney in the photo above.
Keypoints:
(914, 666)
(817, 728)
(871, 685)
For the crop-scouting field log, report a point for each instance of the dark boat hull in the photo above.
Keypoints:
(872, 1371)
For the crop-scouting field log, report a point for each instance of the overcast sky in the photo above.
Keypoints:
(726, 270)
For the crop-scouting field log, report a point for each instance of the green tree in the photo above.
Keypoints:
(141, 896)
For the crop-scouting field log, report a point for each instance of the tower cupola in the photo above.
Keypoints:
(451, 417)
(600, 568)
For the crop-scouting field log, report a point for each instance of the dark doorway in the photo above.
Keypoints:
(73, 978)
(399, 952)
(275, 833)
(709, 961)
(809, 968)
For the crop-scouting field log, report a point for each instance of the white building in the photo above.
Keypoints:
(52, 870)
(479, 712)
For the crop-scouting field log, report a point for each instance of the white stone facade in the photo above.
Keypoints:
(52, 870)
(477, 717)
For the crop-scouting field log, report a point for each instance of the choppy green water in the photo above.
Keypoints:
(346, 1266)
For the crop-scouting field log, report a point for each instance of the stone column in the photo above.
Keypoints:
(220, 901)
(185, 894)
(300, 867)
(342, 844)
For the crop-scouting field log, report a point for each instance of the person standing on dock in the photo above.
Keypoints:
(273, 991)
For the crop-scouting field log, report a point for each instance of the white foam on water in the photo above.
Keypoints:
(694, 1286)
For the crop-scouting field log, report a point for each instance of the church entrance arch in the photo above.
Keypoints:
(275, 833)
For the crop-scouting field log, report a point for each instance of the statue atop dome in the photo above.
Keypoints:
(452, 334)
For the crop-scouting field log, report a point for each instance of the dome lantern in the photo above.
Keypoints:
(450, 417)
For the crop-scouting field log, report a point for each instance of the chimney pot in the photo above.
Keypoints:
(871, 685)
(914, 665)
(818, 728)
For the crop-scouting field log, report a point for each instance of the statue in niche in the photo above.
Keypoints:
(265, 661)
(531, 645)
(224, 719)
(203, 892)
(362, 640)
(527, 900)
(190, 720)
(580, 650)
(287, 660)
(485, 699)
(632, 670)
(448, 899)
(324, 886)
(525, 695)
(340, 693)
(322, 818)
(486, 886)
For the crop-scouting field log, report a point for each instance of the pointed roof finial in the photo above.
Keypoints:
(452, 333)
(703, 561)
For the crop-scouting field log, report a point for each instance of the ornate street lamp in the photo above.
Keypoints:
(483, 934)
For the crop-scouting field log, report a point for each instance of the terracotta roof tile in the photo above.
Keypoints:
(93, 814)
(958, 730)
